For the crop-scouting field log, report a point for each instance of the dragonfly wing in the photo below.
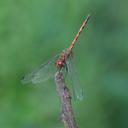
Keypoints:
(76, 89)
(42, 73)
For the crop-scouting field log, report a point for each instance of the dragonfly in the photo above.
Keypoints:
(61, 62)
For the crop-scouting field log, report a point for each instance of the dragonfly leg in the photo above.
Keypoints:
(66, 66)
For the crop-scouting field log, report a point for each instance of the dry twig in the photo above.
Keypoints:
(67, 115)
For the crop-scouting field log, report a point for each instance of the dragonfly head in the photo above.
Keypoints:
(59, 64)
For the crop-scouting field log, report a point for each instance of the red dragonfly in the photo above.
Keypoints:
(60, 62)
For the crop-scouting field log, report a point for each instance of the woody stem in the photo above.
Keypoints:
(67, 115)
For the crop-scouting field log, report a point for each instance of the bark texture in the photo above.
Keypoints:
(67, 115)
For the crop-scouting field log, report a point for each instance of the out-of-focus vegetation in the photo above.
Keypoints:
(32, 31)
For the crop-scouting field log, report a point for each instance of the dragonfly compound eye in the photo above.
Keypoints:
(59, 64)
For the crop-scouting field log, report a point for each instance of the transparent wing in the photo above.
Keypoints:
(42, 73)
(76, 89)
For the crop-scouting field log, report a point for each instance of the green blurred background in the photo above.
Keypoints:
(32, 31)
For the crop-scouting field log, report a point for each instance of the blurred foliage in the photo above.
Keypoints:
(32, 31)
